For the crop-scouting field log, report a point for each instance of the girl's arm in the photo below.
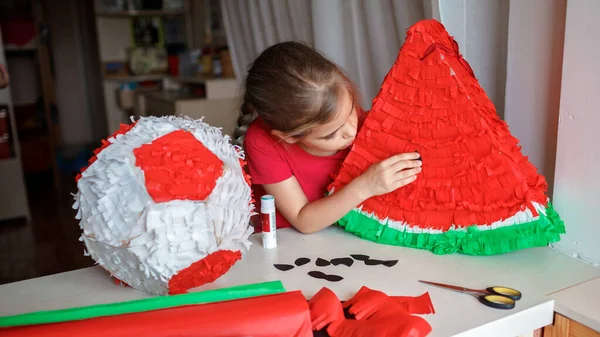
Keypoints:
(310, 217)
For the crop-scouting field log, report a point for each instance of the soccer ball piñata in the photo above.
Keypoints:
(165, 204)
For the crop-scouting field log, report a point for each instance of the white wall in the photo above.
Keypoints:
(577, 183)
(533, 79)
(481, 27)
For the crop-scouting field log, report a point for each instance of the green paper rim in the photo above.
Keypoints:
(143, 305)
(541, 232)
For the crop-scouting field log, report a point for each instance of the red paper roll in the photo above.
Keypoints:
(284, 315)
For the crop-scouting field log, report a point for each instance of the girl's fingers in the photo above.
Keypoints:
(400, 157)
(404, 182)
(405, 164)
(407, 173)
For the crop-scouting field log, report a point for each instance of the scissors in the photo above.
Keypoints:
(495, 297)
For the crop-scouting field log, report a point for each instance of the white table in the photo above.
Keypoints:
(580, 303)
(536, 272)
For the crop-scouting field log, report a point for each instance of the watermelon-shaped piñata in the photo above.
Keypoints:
(165, 205)
(477, 194)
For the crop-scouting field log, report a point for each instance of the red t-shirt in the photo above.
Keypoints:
(271, 161)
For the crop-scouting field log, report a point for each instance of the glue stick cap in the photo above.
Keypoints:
(267, 204)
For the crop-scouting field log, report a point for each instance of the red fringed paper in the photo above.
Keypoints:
(247, 178)
(325, 309)
(415, 305)
(284, 315)
(204, 271)
(178, 166)
(366, 302)
(377, 314)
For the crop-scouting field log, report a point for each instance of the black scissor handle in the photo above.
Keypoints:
(497, 301)
(507, 292)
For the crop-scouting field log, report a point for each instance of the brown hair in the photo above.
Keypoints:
(293, 88)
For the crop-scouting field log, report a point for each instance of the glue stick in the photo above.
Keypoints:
(268, 222)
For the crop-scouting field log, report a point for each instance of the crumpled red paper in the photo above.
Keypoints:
(415, 305)
(401, 325)
(325, 309)
(177, 166)
(366, 302)
(375, 314)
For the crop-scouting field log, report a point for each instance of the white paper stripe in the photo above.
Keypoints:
(518, 218)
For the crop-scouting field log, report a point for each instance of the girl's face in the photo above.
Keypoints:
(336, 135)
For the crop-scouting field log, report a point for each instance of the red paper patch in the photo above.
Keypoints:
(204, 271)
(177, 166)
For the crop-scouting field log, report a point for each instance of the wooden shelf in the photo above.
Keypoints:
(198, 79)
(189, 79)
(172, 96)
(134, 13)
(13, 49)
(10, 159)
(140, 78)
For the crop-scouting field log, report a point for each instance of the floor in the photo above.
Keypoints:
(47, 244)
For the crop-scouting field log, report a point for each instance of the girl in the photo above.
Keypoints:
(300, 114)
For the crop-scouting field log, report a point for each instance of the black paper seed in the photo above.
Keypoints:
(322, 262)
(321, 275)
(333, 278)
(316, 274)
(342, 260)
(283, 267)
(390, 263)
(360, 257)
(301, 261)
(373, 262)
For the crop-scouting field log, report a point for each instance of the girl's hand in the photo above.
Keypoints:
(389, 174)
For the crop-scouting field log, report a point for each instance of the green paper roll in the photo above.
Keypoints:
(147, 304)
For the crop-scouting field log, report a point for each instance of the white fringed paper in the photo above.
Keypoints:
(144, 243)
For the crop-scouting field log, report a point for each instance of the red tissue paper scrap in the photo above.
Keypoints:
(477, 193)
(279, 315)
(165, 204)
(375, 314)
